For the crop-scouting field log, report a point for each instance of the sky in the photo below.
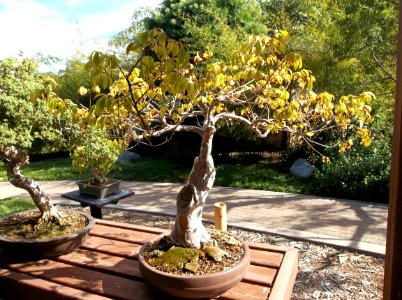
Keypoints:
(61, 27)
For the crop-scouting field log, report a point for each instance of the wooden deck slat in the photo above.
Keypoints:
(287, 273)
(106, 267)
(114, 247)
(246, 291)
(131, 226)
(260, 275)
(266, 258)
(84, 279)
(123, 234)
(269, 247)
(15, 285)
(102, 262)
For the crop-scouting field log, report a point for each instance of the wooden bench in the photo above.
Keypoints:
(106, 267)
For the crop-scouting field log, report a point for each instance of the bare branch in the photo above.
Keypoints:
(381, 65)
(310, 142)
(228, 116)
(177, 128)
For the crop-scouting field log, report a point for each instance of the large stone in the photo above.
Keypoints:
(127, 156)
(301, 168)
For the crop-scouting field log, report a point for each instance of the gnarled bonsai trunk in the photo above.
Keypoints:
(17, 158)
(188, 230)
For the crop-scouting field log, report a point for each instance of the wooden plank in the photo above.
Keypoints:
(112, 247)
(269, 247)
(86, 280)
(260, 275)
(131, 226)
(246, 291)
(102, 262)
(16, 285)
(286, 276)
(123, 234)
(266, 258)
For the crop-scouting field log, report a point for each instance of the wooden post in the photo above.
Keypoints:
(220, 215)
(393, 258)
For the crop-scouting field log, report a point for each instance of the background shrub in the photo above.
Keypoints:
(362, 174)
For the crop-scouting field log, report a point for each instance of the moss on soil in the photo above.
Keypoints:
(166, 257)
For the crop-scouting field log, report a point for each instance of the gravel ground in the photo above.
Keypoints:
(324, 272)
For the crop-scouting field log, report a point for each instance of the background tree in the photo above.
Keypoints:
(213, 25)
(71, 78)
(350, 46)
(338, 40)
(262, 87)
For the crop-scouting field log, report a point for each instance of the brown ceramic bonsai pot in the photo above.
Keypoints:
(100, 191)
(195, 286)
(50, 247)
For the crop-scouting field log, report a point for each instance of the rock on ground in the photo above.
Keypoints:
(301, 168)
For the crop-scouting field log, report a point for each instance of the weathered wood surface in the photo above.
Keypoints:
(106, 267)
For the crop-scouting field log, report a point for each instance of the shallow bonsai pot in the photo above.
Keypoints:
(195, 286)
(100, 191)
(50, 247)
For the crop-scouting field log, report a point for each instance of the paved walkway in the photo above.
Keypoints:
(350, 224)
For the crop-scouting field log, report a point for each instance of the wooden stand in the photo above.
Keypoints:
(106, 267)
(96, 204)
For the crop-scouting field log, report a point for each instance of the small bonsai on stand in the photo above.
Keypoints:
(97, 152)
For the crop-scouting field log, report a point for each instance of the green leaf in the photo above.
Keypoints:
(132, 47)
(100, 105)
(127, 104)
(96, 58)
(182, 56)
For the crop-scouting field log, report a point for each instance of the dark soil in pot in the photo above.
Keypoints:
(22, 235)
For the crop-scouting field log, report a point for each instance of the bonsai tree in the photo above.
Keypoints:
(263, 88)
(25, 117)
(93, 145)
(95, 150)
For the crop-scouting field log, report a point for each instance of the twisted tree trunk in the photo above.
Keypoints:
(188, 230)
(17, 158)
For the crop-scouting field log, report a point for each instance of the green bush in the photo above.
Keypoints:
(362, 174)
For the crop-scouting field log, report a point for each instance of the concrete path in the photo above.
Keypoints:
(349, 224)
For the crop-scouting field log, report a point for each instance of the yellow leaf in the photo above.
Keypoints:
(245, 111)
(325, 159)
(82, 91)
(284, 33)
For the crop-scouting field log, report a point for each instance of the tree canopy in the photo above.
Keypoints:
(23, 112)
(212, 25)
(262, 87)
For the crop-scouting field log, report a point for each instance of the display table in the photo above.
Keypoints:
(96, 204)
(106, 267)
